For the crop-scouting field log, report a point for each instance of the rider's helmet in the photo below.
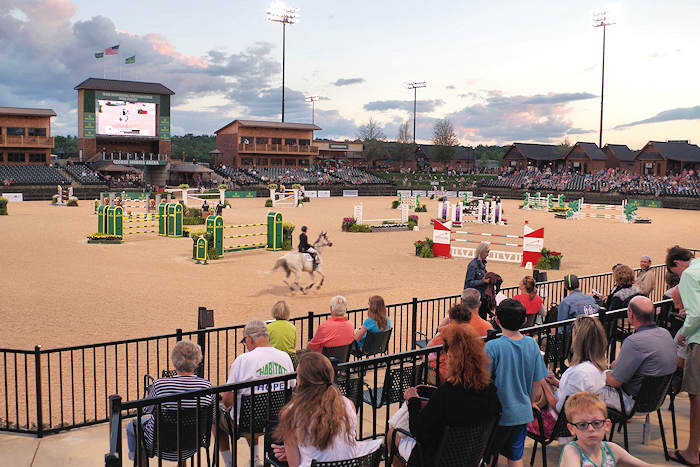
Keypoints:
(303, 228)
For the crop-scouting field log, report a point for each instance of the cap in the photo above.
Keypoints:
(571, 282)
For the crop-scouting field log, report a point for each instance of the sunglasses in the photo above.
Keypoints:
(243, 340)
(583, 426)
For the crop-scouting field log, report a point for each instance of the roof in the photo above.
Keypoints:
(621, 151)
(189, 167)
(23, 112)
(676, 151)
(123, 86)
(276, 125)
(591, 150)
(540, 152)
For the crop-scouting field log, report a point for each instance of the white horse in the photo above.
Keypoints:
(296, 263)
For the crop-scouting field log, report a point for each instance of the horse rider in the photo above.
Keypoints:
(304, 246)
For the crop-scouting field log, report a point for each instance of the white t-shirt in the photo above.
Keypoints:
(582, 377)
(339, 449)
(261, 362)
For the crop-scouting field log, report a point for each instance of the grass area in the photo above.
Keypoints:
(423, 180)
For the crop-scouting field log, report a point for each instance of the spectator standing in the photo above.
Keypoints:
(476, 270)
(283, 334)
(532, 302)
(646, 279)
(624, 288)
(576, 303)
(518, 368)
(336, 330)
(649, 351)
(261, 360)
(377, 320)
(680, 261)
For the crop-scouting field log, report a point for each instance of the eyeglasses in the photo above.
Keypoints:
(243, 340)
(583, 426)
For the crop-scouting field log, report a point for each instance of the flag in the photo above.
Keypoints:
(99, 54)
(114, 50)
(130, 60)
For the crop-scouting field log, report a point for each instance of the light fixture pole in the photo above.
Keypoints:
(415, 85)
(313, 100)
(278, 13)
(603, 20)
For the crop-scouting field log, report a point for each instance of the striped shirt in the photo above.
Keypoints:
(169, 387)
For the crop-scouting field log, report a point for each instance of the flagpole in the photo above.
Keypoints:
(104, 68)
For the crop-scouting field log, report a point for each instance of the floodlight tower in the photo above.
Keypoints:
(415, 85)
(313, 100)
(278, 13)
(602, 19)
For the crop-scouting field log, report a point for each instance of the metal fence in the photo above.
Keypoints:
(51, 390)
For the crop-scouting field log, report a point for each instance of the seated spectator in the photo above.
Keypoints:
(530, 300)
(586, 373)
(467, 396)
(283, 334)
(624, 288)
(261, 360)
(646, 279)
(576, 303)
(589, 423)
(518, 369)
(318, 423)
(336, 330)
(649, 351)
(377, 320)
(185, 357)
(471, 299)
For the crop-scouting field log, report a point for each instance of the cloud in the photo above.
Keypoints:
(662, 54)
(348, 81)
(579, 131)
(682, 113)
(450, 86)
(558, 98)
(421, 105)
(334, 125)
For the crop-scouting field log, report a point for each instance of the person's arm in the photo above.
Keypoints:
(569, 457)
(227, 398)
(563, 311)
(291, 450)
(320, 338)
(624, 458)
(425, 424)
(359, 332)
(647, 285)
(625, 366)
(692, 314)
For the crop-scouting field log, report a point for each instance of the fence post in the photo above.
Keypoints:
(178, 334)
(114, 457)
(414, 322)
(37, 379)
(311, 325)
(201, 341)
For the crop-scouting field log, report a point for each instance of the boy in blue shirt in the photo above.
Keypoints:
(517, 366)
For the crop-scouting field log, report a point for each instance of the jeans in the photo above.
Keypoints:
(131, 436)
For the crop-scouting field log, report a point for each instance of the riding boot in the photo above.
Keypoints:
(314, 257)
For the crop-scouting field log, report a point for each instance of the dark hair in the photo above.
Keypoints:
(571, 282)
(459, 312)
(530, 286)
(677, 253)
(511, 314)
(303, 228)
(672, 279)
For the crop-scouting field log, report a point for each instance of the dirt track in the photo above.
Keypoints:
(58, 290)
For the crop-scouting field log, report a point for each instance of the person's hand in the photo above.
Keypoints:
(681, 340)
(487, 280)
(410, 393)
(279, 451)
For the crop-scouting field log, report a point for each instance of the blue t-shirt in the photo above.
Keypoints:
(372, 327)
(515, 365)
(575, 304)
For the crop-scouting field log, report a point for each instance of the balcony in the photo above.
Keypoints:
(26, 141)
(276, 149)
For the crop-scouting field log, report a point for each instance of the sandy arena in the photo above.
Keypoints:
(58, 290)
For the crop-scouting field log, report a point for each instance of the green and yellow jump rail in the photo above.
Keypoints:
(215, 227)
(167, 223)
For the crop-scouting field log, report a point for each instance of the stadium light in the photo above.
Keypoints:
(415, 85)
(278, 13)
(313, 100)
(602, 19)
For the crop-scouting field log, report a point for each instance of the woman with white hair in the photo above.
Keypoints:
(475, 274)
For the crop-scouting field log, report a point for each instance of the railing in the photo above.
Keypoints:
(277, 148)
(127, 156)
(29, 141)
(554, 339)
(50, 390)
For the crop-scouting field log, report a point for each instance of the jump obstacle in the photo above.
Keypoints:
(357, 214)
(215, 227)
(142, 205)
(166, 223)
(528, 251)
(624, 213)
(197, 199)
(286, 197)
(63, 195)
(537, 201)
(411, 201)
(481, 212)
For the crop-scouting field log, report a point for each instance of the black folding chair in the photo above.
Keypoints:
(368, 460)
(559, 430)
(340, 353)
(148, 380)
(375, 343)
(256, 412)
(673, 390)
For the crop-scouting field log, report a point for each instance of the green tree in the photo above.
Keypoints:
(404, 149)
(372, 137)
(195, 147)
(65, 146)
(445, 141)
(490, 153)
(563, 148)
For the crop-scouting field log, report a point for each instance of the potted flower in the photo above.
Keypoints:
(418, 244)
(412, 221)
(549, 260)
(347, 223)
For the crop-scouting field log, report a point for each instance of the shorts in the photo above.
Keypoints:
(691, 371)
(510, 441)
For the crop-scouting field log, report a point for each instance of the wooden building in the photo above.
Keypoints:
(542, 156)
(585, 158)
(25, 135)
(348, 152)
(619, 156)
(251, 143)
(662, 158)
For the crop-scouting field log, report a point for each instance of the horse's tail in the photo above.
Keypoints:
(281, 263)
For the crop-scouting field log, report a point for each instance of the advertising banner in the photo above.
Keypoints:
(451, 194)
(351, 193)
(311, 193)
(240, 194)
(418, 192)
(403, 192)
(14, 197)
(324, 193)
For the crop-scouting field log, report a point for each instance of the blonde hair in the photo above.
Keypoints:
(280, 310)
(583, 402)
(377, 311)
(589, 343)
(480, 248)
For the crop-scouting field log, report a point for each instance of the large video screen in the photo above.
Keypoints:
(122, 118)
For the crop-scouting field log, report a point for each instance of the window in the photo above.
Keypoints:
(261, 140)
(246, 140)
(36, 131)
(275, 161)
(290, 162)
(303, 162)
(304, 142)
(12, 131)
(276, 140)
(37, 157)
(2, 156)
(246, 161)
(15, 157)
(290, 141)
(261, 161)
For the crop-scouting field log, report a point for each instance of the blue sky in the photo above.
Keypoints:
(499, 71)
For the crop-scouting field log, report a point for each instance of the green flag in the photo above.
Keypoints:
(130, 60)
(99, 54)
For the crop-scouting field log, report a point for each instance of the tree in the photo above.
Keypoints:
(404, 135)
(445, 141)
(372, 137)
(403, 149)
(65, 146)
(563, 148)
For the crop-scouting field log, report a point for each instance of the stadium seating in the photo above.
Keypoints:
(32, 175)
(84, 175)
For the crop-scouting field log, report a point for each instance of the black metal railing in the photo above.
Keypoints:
(415, 366)
(50, 390)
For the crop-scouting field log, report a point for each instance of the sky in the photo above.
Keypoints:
(500, 72)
